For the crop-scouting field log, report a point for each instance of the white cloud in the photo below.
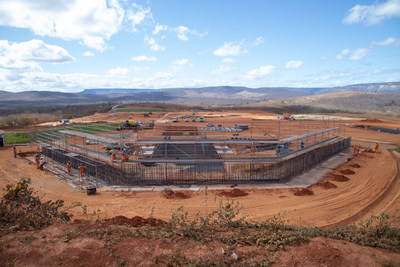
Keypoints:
(88, 54)
(93, 22)
(118, 71)
(159, 28)
(228, 60)
(182, 32)
(137, 69)
(144, 58)
(259, 73)
(293, 64)
(153, 45)
(229, 49)
(138, 15)
(259, 41)
(373, 14)
(180, 62)
(359, 53)
(344, 52)
(26, 56)
(388, 42)
(221, 69)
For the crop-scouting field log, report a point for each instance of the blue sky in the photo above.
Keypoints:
(70, 45)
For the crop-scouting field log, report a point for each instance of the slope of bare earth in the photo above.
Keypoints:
(358, 102)
(99, 245)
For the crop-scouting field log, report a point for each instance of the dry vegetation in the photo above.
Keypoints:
(19, 117)
(220, 238)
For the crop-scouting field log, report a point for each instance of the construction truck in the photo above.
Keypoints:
(175, 119)
(130, 124)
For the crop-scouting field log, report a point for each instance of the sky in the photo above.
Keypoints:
(69, 46)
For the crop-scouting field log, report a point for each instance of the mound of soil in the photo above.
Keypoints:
(303, 192)
(177, 195)
(347, 171)
(233, 193)
(355, 165)
(338, 178)
(326, 185)
(136, 221)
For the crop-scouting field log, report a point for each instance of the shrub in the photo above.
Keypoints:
(21, 210)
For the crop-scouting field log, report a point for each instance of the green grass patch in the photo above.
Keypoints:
(141, 110)
(16, 138)
(397, 149)
(96, 128)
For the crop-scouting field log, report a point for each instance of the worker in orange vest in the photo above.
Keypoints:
(358, 150)
(69, 167)
(376, 147)
(125, 157)
(15, 151)
(252, 149)
(354, 149)
(82, 172)
(113, 156)
(37, 159)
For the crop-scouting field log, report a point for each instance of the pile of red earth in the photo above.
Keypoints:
(303, 192)
(233, 193)
(177, 195)
(355, 165)
(136, 221)
(338, 178)
(347, 171)
(326, 185)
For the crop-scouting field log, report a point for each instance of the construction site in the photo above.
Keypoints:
(198, 148)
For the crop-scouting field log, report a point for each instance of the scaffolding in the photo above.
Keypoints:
(265, 151)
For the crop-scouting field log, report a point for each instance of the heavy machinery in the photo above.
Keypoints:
(130, 124)
(201, 119)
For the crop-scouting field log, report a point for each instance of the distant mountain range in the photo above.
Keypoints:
(223, 93)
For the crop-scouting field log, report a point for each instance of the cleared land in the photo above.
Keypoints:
(370, 185)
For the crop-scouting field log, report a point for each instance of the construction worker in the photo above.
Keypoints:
(37, 159)
(354, 149)
(82, 172)
(69, 168)
(125, 156)
(41, 163)
(15, 151)
(376, 147)
(302, 144)
(113, 156)
(252, 149)
(278, 150)
(358, 150)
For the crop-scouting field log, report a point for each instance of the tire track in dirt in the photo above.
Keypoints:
(383, 202)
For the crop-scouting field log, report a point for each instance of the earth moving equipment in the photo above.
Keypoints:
(175, 119)
(130, 124)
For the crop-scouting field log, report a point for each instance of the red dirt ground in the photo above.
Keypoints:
(96, 245)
